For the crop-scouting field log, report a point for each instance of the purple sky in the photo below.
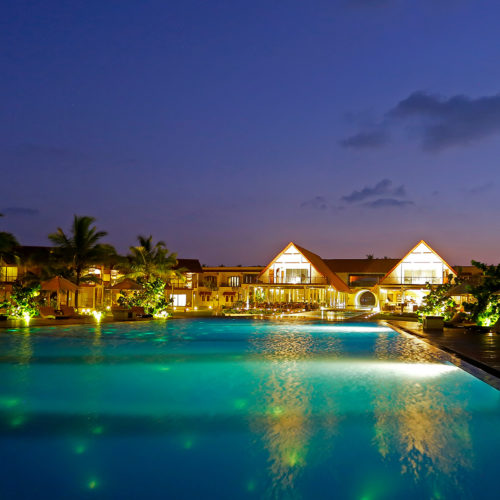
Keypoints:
(229, 128)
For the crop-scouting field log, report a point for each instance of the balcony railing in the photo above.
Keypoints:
(420, 280)
(291, 281)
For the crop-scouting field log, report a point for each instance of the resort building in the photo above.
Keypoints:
(297, 275)
(405, 284)
(227, 286)
(183, 291)
(295, 278)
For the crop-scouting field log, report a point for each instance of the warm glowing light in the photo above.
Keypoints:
(27, 318)
(97, 315)
(161, 315)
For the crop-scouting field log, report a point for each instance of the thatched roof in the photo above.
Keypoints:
(127, 284)
(59, 284)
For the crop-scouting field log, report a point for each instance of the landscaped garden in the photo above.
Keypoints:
(70, 260)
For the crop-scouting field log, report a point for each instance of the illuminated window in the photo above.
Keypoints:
(297, 276)
(179, 300)
(8, 273)
(234, 281)
(420, 276)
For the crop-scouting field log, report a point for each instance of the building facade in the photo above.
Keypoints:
(294, 278)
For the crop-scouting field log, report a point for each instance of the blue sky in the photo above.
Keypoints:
(229, 128)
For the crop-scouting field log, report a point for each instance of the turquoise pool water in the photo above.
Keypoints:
(237, 408)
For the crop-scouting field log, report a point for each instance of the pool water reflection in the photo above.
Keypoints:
(237, 408)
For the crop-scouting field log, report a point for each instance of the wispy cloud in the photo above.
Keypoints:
(316, 203)
(13, 211)
(384, 187)
(366, 140)
(440, 122)
(388, 203)
(382, 195)
(479, 189)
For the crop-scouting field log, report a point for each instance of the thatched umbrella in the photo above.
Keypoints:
(58, 284)
(125, 285)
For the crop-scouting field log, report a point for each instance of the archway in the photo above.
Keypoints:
(366, 299)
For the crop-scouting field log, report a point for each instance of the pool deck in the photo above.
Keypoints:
(478, 353)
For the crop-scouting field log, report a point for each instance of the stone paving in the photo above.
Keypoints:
(479, 349)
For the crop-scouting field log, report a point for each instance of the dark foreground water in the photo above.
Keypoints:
(236, 408)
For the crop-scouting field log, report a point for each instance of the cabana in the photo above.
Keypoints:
(60, 286)
(126, 285)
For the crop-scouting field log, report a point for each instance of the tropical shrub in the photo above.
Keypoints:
(438, 302)
(485, 309)
(23, 301)
(151, 297)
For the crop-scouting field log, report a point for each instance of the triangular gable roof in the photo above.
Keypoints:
(418, 244)
(317, 262)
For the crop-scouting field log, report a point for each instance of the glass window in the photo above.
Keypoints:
(234, 281)
(297, 276)
(420, 276)
(8, 273)
(179, 299)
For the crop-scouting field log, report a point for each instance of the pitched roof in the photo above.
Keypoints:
(322, 268)
(232, 269)
(374, 266)
(58, 283)
(127, 284)
(408, 253)
(190, 265)
(317, 262)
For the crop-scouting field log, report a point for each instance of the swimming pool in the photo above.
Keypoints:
(238, 408)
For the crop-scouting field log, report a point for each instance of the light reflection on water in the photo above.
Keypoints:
(286, 430)
(359, 410)
(416, 422)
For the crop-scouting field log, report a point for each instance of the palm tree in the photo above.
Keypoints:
(148, 261)
(8, 244)
(81, 249)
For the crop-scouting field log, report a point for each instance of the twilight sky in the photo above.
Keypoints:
(229, 128)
